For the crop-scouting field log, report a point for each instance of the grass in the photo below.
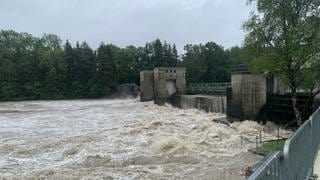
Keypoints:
(272, 146)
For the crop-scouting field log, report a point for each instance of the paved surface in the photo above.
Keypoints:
(317, 165)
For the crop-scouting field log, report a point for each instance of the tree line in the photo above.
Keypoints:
(45, 68)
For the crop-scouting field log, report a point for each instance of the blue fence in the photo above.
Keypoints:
(296, 161)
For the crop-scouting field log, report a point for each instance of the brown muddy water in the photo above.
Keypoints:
(121, 139)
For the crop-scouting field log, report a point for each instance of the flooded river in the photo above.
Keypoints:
(120, 139)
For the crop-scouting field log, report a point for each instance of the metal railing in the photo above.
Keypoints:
(209, 88)
(297, 159)
(240, 69)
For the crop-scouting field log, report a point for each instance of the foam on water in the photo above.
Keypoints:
(121, 139)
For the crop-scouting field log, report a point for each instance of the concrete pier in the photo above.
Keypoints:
(247, 96)
(146, 85)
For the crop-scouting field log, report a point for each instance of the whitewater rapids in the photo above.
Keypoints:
(120, 139)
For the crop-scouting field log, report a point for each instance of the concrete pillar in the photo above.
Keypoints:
(146, 85)
(247, 97)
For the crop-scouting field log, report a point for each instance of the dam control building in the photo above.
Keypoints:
(161, 83)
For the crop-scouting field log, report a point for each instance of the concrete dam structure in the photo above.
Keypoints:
(168, 85)
(245, 99)
(161, 84)
(168, 82)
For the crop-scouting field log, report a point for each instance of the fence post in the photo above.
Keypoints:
(260, 137)
(278, 137)
(241, 138)
(257, 147)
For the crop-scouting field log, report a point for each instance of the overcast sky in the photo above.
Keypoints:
(126, 22)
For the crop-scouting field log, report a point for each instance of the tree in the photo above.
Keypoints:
(18, 63)
(106, 69)
(218, 69)
(84, 69)
(206, 63)
(237, 55)
(174, 55)
(158, 53)
(127, 65)
(52, 68)
(170, 55)
(284, 40)
(70, 60)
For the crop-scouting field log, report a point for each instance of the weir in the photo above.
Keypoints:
(168, 85)
(241, 99)
(247, 97)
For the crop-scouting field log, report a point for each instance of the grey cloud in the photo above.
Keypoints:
(125, 22)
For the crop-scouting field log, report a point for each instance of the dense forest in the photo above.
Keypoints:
(46, 68)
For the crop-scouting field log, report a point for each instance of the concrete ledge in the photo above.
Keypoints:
(215, 104)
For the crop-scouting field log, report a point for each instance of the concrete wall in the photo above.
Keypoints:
(146, 85)
(215, 104)
(181, 80)
(247, 97)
